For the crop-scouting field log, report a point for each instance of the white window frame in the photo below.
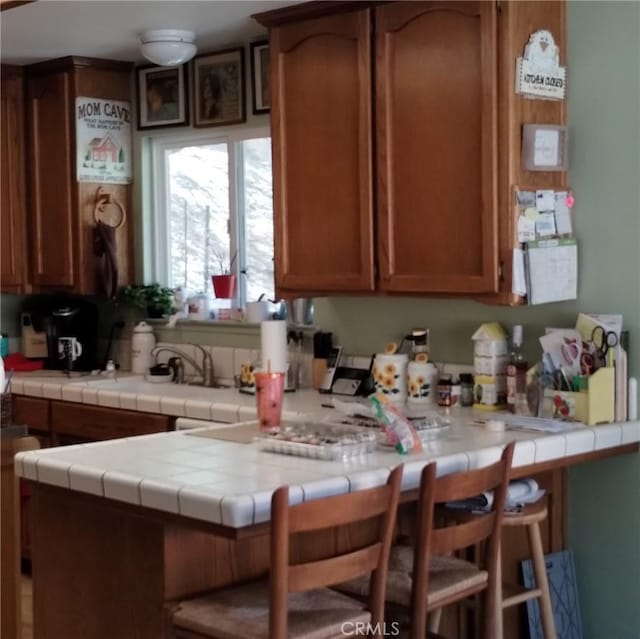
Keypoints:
(160, 196)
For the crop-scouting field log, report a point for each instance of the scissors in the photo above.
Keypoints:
(603, 341)
(587, 364)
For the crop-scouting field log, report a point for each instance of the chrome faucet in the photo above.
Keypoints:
(205, 371)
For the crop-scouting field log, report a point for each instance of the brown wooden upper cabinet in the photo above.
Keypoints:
(13, 273)
(322, 177)
(61, 242)
(396, 143)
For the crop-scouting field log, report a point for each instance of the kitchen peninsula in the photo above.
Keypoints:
(125, 527)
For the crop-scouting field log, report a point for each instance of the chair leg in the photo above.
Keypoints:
(542, 582)
(498, 596)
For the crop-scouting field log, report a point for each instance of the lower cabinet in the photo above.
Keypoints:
(82, 423)
(55, 423)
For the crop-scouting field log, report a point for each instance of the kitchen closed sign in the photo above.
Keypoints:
(103, 141)
(538, 73)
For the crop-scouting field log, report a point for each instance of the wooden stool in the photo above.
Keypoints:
(530, 517)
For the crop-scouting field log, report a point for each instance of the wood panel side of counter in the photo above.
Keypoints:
(10, 599)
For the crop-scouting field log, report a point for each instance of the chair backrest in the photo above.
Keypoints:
(442, 538)
(331, 512)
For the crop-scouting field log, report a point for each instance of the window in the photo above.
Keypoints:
(213, 213)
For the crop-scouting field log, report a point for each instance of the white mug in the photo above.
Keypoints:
(390, 376)
(69, 346)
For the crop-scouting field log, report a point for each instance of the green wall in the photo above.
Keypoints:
(604, 114)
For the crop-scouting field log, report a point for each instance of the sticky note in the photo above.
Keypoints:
(546, 225)
(531, 213)
(545, 200)
(563, 214)
(526, 229)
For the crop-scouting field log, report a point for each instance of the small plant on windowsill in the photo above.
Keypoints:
(224, 284)
(153, 299)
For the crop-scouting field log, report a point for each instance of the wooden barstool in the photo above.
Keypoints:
(530, 517)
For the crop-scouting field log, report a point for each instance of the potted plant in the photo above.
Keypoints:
(224, 285)
(155, 300)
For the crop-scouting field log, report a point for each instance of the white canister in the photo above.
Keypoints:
(142, 343)
(390, 376)
(422, 378)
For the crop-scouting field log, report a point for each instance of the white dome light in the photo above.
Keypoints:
(167, 47)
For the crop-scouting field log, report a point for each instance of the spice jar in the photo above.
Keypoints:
(466, 389)
(456, 393)
(444, 390)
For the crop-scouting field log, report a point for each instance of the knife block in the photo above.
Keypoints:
(318, 370)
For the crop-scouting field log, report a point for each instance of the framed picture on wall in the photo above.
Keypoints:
(260, 97)
(219, 88)
(162, 96)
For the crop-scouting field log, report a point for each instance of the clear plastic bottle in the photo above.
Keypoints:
(516, 372)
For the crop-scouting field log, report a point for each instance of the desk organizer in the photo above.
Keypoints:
(596, 406)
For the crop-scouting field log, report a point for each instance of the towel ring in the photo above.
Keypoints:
(101, 201)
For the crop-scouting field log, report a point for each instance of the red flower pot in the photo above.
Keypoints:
(224, 286)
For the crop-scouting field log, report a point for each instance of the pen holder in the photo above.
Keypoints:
(595, 406)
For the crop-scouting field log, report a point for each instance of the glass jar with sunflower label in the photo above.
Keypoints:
(390, 376)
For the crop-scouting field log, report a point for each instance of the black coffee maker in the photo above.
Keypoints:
(70, 323)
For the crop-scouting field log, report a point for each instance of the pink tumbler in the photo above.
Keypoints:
(269, 393)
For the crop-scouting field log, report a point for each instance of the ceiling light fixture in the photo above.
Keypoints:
(167, 47)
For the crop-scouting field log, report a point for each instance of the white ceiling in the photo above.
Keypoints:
(109, 28)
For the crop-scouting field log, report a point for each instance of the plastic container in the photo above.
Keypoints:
(142, 343)
(320, 441)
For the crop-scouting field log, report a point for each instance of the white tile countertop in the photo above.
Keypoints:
(132, 392)
(231, 484)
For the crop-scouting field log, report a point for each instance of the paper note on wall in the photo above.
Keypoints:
(552, 271)
(563, 214)
(519, 282)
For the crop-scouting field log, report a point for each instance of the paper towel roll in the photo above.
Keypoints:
(273, 341)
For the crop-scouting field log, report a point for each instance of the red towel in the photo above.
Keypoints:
(19, 363)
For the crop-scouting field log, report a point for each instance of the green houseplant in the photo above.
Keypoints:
(155, 300)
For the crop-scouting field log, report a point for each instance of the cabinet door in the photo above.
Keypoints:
(12, 205)
(50, 151)
(78, 422)
(32, 412)
(321, 128)
(436, 98)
